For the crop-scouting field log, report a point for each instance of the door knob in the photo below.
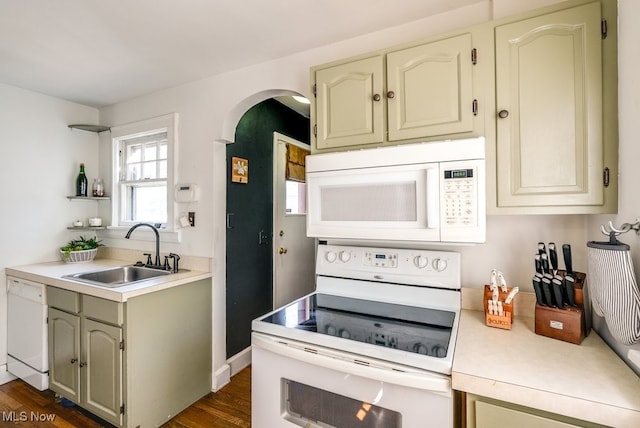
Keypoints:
(503, 114)
(282, 250)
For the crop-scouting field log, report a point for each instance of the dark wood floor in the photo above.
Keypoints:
(23, 406)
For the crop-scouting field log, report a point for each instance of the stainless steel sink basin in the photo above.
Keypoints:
(118, 276)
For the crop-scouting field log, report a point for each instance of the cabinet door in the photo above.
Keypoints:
(549, 110)
(429, 89)
(349, 104)
(102, 370)
(64, 354)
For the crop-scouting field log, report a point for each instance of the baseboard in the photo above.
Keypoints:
(221, 377)
(240, 360)
(5, 376)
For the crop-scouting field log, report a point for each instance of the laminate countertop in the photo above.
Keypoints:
(587, 381)
(52, 274)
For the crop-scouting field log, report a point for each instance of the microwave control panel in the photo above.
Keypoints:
(460, 197)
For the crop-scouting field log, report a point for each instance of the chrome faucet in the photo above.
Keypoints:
(155, 230)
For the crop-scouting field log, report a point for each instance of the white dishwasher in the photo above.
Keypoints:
(27, 342)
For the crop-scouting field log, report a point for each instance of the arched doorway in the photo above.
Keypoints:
(249, 201)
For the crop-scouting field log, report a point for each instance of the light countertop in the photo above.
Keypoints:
(51, 274)
(587, 381)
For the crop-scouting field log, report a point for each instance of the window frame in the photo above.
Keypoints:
(167, 122)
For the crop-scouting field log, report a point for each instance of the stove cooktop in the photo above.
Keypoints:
(412, 329)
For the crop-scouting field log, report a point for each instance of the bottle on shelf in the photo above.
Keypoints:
(81, 182)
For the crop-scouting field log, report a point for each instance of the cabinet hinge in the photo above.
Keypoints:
(603, 28)
(606, 176)
(122, 409)
(315, 90)
(474, 107)
(122, 345)
(474, 56)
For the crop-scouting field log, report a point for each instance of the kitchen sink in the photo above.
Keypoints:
(117, 277)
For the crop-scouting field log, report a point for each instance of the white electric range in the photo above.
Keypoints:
(372, 346)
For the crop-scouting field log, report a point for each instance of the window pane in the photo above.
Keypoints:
(296, 202)
(162, 169)
(150, 152)
(163, 151)
(134, 154)
(147, 203)
(133, 172)
(148, 170)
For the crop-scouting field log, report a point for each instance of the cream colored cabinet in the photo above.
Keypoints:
(553, 146)
(429, 89)
(426, 91)
(349, 103)
(482, 412)
(64, 354)
(86, 354)
(141, 372)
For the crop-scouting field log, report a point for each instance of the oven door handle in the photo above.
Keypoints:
(432, 382)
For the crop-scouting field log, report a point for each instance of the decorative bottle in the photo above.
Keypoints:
(81, 182)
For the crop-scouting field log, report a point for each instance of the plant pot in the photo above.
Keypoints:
(78, 256)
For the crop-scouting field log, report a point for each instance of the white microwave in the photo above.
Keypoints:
(430, 192)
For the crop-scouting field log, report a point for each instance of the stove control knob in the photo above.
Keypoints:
(330, 256)
(439, 264)
(419, 348)
(345, 256)
(345, 333)
(332, 331)
(420, 262)
(438, 351)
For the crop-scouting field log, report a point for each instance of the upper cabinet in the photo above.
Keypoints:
(426, 91)
(541, 87)
(429, 89)
(550, 137)
(350, 108)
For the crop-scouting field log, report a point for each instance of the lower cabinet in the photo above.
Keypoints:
(86, 357)
(137, 373)
(482, 412)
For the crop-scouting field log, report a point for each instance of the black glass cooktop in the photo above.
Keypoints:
(419, 330)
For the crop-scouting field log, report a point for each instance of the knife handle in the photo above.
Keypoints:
(566, 252)
(553, 256)
(538, 264)
(541, 248)
(537, 287)
(545, 262)
(569, 286)
(546, 291)
(557, 293)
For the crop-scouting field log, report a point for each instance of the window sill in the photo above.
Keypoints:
(142, 234)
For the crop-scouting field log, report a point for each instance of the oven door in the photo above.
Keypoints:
(294, 384)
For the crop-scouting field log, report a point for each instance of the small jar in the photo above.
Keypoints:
(97, 187)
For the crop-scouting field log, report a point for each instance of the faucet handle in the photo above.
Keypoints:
(175, 258)
(166, 263)
(149, 262)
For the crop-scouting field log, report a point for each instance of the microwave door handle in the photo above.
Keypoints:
(433, 198)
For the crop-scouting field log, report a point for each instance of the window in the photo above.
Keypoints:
(143, 165)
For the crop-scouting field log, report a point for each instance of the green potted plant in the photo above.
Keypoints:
(80, 250)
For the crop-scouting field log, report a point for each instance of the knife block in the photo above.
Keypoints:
(568, 324)
(498, 321)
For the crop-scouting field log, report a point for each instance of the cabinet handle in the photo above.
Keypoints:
(73, 360)
(376, 97)
(391, 94)
(83, 364)
(502, 114)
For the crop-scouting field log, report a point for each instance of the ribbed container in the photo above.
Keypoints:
(79, 256)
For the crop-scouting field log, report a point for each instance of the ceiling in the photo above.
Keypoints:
(97, 52)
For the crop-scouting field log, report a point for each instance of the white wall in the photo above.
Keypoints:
(39, 161)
